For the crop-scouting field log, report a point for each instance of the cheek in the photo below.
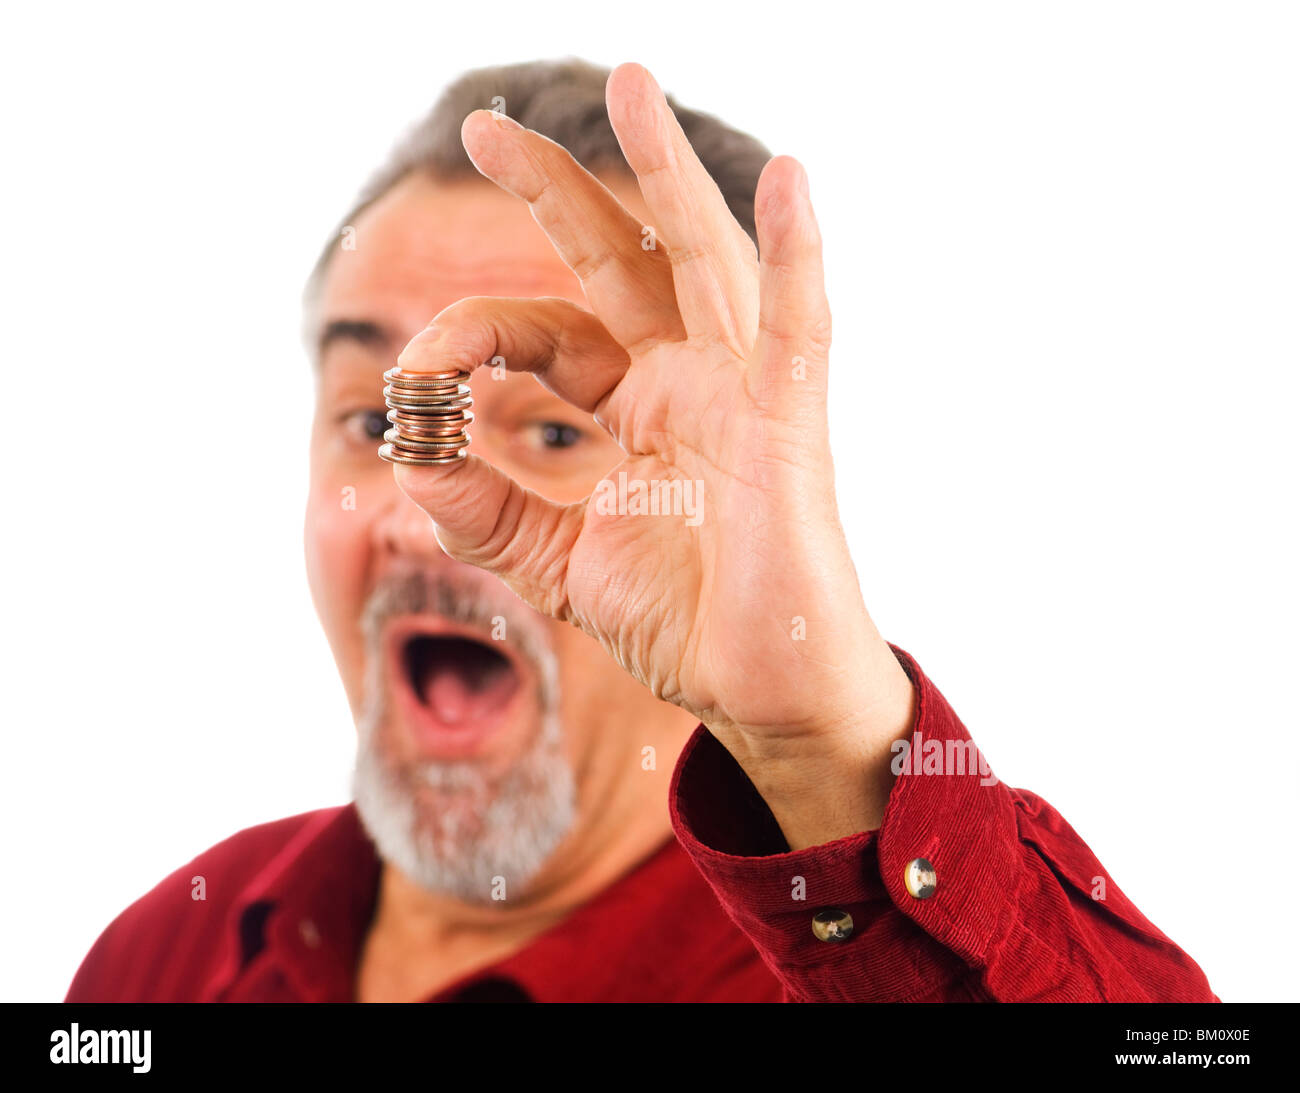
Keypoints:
(564, 479)
(336, 537)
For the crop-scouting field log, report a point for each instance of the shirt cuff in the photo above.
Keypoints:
(901, 947)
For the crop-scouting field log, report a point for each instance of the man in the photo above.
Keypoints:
(638, 570)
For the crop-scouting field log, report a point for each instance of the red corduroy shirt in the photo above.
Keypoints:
(714, 914)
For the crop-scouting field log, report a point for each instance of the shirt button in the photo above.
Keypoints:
(310, 935)
(920, 878)
(832, 924)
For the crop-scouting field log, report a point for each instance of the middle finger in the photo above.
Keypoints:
(630, 289)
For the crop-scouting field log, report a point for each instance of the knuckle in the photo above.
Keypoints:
(587, 265)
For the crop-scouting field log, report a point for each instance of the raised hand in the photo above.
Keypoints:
(708, 366)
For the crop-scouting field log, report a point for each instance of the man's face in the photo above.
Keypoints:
(488, 734)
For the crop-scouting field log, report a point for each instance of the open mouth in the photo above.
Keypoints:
(455, 689)
(459, 679)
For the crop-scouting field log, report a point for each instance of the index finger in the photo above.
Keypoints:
(628, 287)
(566, 348)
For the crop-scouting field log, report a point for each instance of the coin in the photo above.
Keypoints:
(428, 412)
(386, 452)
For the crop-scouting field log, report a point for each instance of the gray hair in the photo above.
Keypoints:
(565, 101)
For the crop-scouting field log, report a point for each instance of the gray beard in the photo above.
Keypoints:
(448, 825)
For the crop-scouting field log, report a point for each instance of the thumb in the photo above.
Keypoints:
(484, 517)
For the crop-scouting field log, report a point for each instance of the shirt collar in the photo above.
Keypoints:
(631, 942)
(301, 921)
(297, 929)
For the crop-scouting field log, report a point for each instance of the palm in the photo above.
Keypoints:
(666, 599)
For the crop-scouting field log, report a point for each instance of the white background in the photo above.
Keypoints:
(1062, 255)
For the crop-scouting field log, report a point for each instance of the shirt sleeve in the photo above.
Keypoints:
(969, 890)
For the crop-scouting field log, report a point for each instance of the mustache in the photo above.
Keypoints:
(477, 603)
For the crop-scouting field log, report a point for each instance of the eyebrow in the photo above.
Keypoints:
(361, 332)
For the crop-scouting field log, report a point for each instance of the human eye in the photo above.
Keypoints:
(364, 426)
(554, 435)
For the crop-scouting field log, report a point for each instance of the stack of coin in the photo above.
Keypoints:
(429, 412)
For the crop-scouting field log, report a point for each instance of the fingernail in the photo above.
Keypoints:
(505, 121)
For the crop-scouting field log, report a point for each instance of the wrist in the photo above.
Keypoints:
(833, 780)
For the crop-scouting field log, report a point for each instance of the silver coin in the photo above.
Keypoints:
(387, 452)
